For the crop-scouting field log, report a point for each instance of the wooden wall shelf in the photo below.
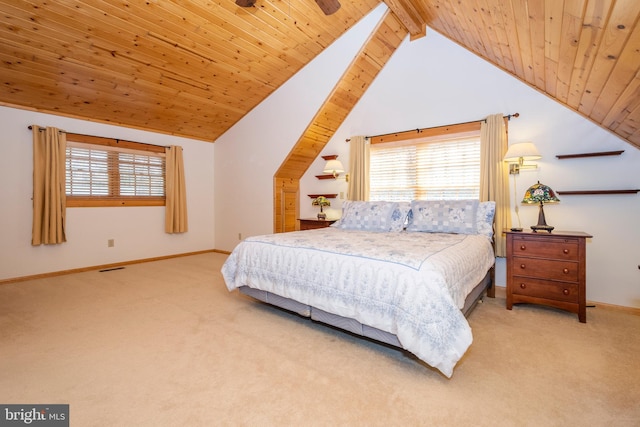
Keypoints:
(328, 196)
(591, 192)
(328, 176)
(601, 153)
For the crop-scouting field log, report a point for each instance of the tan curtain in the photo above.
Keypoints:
(359, 169)
(494, 175)
(49, 198)
(176, 192)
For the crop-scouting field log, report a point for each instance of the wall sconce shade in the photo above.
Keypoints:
(540, 193)
(518, 153)
(333, 167)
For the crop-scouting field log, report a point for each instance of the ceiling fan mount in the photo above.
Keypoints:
(327, 6)
(245, 3)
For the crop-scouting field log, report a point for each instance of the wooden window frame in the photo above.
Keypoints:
(114, 201)
(437, 134)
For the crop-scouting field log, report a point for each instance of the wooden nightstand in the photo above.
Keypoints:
(547, 268)
(311, 223)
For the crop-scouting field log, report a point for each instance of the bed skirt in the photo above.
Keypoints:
(354, 326)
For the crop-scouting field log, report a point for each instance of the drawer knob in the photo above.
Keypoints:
(523, 247)
(565, 270)
(523, 286)
(565, 291)
(522, 266)
(565, 251)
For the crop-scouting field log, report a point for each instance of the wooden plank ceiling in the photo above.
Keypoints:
(195, 67)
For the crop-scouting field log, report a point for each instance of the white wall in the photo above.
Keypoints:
(250, 153)
(138, 231)
(432, 82)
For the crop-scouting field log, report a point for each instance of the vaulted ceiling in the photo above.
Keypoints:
(195, 67)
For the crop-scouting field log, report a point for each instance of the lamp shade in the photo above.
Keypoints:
(321, 201)
(522, 150)
(540, 193)
(333, 167)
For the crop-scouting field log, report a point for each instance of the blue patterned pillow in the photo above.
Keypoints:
(444, 216)
(399, 216)
(484, 218)
(368, 216)
(345, 206)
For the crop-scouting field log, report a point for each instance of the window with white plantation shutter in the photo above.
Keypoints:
(433, 168)
(103, 175)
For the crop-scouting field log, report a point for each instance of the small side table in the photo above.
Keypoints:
(547, 268)
(313, 223)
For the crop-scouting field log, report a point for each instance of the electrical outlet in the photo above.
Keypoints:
(111, 243)
(239, 236)
(342, 195)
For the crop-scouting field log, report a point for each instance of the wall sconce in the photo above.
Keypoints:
(333, 168)
(518, 153)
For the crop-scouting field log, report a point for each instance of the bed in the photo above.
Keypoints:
(405, 274)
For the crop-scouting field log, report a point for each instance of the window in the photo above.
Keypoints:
(426, 168)
(107, 172)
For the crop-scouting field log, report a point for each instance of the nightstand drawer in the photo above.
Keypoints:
(543, 289)
(545, 269)
(549, 247)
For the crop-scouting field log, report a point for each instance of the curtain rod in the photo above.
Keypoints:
(418, 130)
(95, 136)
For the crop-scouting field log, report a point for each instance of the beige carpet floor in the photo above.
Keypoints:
(165, 344)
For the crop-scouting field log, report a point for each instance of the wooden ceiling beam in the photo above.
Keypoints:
(372, 57)
(406, 12)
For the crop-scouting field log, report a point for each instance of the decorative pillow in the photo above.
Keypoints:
(345, 206)
(484, 218)
(368, 216)
(444, 216)
(399, 216)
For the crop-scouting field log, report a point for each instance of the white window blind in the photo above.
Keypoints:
(113, 172)
(437, 168)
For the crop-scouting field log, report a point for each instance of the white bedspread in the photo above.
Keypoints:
(412, 285)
